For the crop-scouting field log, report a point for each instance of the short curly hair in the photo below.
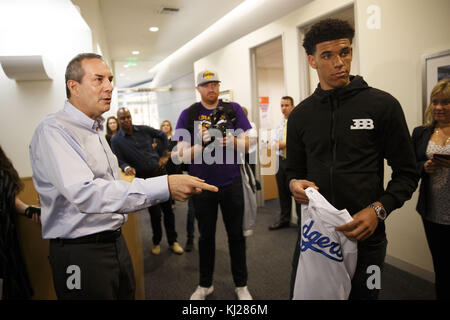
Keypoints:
(327, 30)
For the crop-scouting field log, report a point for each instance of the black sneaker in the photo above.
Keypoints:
(279, 225)
(189, 245)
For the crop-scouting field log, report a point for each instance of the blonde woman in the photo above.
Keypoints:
(432, 148)
(166, 127)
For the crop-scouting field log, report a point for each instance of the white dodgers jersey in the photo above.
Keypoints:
(327, 259)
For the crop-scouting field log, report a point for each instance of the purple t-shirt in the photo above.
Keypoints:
(218, 174)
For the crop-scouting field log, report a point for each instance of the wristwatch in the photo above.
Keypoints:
(381, 213)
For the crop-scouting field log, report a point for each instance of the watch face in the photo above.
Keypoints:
(381, 213)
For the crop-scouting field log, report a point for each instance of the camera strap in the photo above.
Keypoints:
(194, 111)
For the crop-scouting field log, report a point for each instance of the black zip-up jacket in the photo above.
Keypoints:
(339, 139)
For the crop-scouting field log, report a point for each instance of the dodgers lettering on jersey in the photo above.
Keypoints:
(317, 242)
(327, 258)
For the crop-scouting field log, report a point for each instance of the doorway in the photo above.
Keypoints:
(268, 88)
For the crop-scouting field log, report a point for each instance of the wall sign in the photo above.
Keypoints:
(374, 19)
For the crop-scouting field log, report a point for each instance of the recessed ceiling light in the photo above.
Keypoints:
(153, 29)
(135, 52)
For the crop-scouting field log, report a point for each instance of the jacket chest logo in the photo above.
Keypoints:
(362, 124)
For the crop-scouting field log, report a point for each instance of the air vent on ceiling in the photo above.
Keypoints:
(168, 10)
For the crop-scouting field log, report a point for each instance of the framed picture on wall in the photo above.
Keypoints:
(435, 67)
(226, 95)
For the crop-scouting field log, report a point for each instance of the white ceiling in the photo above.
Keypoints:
(127, 23)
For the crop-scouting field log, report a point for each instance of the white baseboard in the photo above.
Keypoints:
(408, 267)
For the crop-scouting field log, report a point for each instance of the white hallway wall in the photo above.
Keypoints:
(50, 27)
(389, 59)
(91, 14)
(172, 103)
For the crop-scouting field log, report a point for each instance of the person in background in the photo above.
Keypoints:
(337, 141)
(14, 283)
(112, 126)
(143, 151)
(432, 148)
(284, 195)
(221, 173)
(250, 157)
(171, 168)
(166, 127)
(83, 199)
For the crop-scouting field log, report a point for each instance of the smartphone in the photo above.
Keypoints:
(441, 156)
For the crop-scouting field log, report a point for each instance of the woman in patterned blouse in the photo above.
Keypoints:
(432, 147)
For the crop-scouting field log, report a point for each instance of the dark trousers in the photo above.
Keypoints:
(231, 201)
(370, 252)
(437, 236)
(92, 270)
(169, 222)
(284, 194)
(190, 223)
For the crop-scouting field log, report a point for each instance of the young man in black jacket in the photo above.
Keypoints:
(337, 140)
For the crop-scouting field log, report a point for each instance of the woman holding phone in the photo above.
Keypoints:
(432, 148)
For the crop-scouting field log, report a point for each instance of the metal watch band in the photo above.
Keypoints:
(381, 213)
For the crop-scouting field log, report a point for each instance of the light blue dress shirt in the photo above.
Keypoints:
(78, 180)
(279, 136)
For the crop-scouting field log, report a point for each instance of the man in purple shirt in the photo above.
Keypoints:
(216, 161)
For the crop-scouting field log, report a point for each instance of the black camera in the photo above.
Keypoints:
(219, 120)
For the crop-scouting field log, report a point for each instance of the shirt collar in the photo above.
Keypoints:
(84, 120)
(123, 133)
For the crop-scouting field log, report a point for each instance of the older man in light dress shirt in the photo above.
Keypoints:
(84, 202)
